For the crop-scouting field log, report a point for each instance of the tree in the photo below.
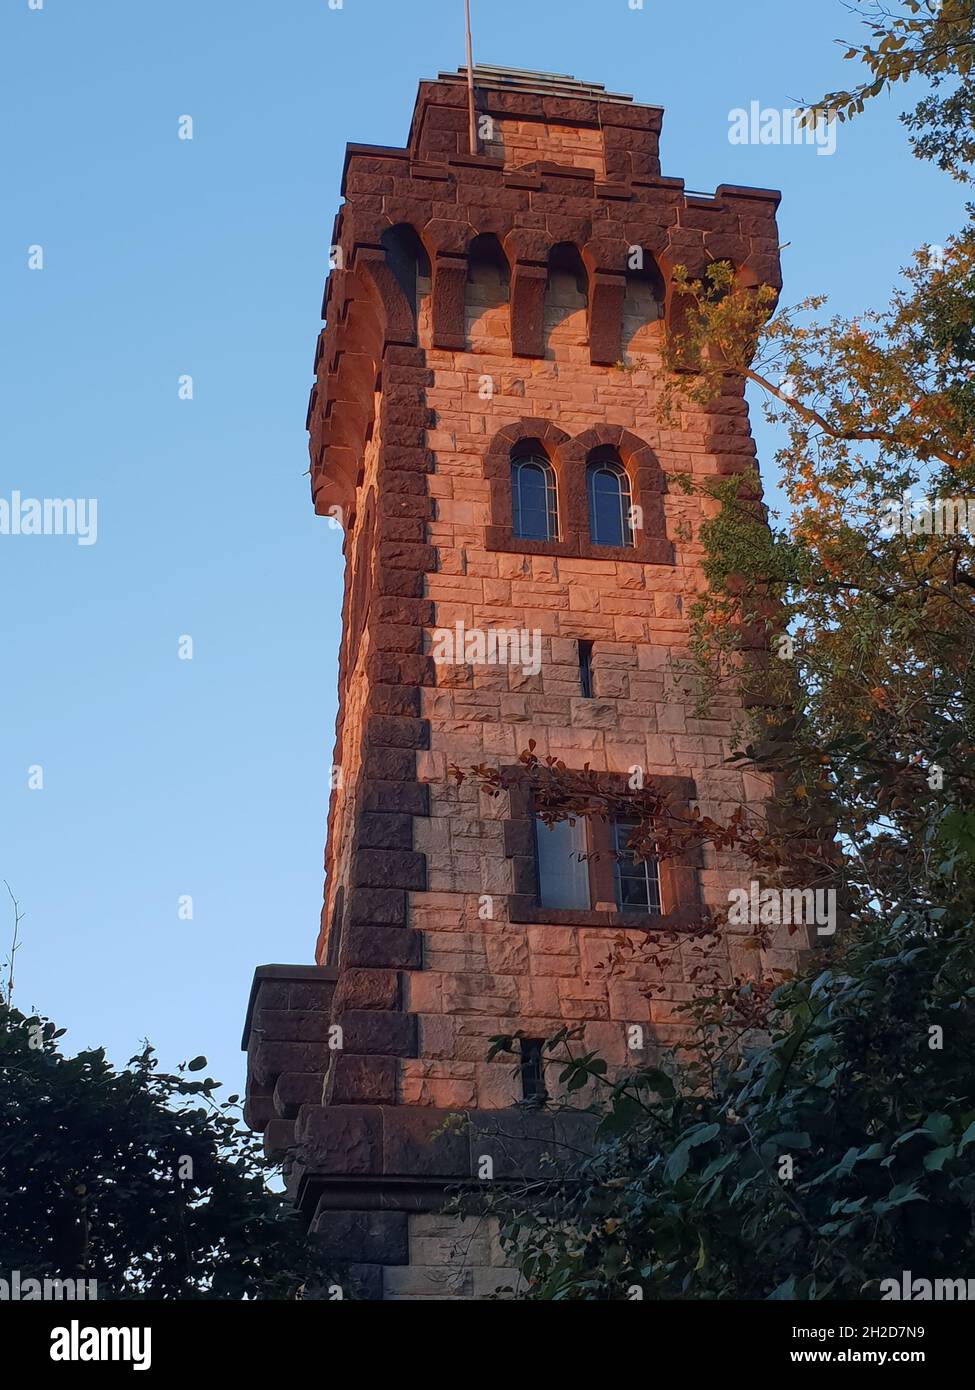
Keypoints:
(932, 39)
(136, 1178)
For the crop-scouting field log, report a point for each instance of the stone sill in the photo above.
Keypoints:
(523, 910)
(651, 551)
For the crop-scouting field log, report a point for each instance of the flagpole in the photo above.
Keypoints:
(470, 79)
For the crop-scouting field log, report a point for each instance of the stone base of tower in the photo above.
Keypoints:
(373, 1181)
(415, 1255)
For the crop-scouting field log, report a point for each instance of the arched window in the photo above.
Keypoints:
(608, 490)
(534, 504)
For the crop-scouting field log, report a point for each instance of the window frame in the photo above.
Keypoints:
(609, 465)
(679, 876)
(567, 456)
(521, 462)
(600, 849)
(652, 883)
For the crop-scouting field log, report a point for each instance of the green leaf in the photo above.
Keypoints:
(677, 1164)
(967, 1138)
(659, 1082)
(785, 1290)
(899, 1196)
(939, 1126)
(701, 1135)
(937, 1158)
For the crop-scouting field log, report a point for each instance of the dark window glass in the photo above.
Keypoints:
(608, 488)
(532, 1070)
(563, 870)
(637, 881)
(534, 511)
(335, 930)
(585, 670)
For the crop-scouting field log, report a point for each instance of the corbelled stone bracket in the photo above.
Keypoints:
(286, 1040)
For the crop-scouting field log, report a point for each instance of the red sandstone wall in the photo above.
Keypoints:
(398, 410)
(520, 143)
(484, 977)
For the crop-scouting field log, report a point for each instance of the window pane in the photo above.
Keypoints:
(637, 883)
(532, 501)
(609, 505)
(563, 879)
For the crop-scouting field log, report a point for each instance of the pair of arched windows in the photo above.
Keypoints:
(535, 503)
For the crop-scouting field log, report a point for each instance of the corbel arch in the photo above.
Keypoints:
(487, 294)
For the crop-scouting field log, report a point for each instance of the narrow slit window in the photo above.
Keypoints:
(335, 930)
(532, 1067)
(585, 670)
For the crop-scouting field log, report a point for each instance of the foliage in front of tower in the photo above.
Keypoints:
(138, 1179)
(823, 1162)
(817, 1140)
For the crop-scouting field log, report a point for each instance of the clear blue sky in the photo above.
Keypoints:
(165, 257)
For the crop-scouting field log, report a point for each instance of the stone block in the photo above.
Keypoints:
(379, 1032)
(427, 1281)
(362, 1237)
(295, 1089)
(358, 1080)
(415, 1144)
(341, 1140)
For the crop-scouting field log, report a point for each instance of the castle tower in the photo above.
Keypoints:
(484, 427)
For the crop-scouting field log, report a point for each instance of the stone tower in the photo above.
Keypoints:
(484, 427)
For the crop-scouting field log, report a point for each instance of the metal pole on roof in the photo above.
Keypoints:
(470, 79)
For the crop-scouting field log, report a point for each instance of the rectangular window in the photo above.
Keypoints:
(563, 877)
(532, 1070)
(585, 670)
(637, 881)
